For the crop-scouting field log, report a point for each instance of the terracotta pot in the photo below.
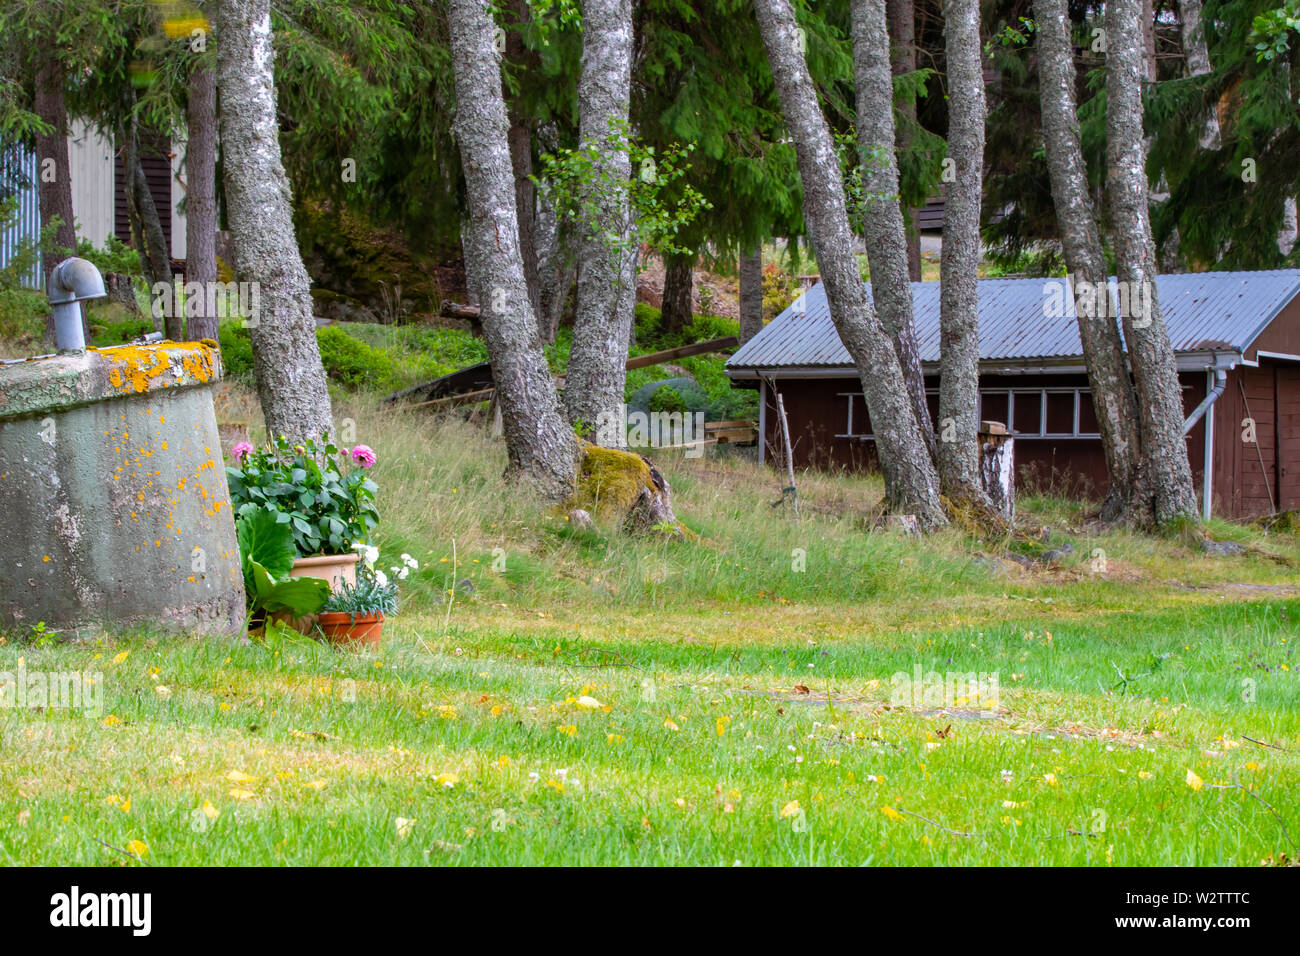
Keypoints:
(337, 569)
(339, 628)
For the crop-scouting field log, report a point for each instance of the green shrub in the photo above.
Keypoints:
(351, 362)
(667, 399)
(737, 404)
(122, 330)
(236, 351)
(22, 314)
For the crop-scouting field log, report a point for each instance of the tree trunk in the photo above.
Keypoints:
(601, 329)
(540, 445)
(156, 257)
(959, 326)
(286, 359)
(902, 29)
(1164, 488)
(1085, 260)
(882, 228)
(678, 291)
(201, 194)
(911, 484)
(555, 267)
(126, 134)
(1198, 61)
(54, 170)
(751, 294)
(521, 161)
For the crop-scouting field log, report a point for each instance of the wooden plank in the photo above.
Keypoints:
(682, 351)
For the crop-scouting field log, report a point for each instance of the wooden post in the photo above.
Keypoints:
(998, 467)
(789, 457)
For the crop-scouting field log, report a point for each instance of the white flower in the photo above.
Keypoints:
(381, 579)
(409, 561)
(369, 553)
(401, 575)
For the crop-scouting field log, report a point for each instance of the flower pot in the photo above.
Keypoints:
(339, 628)
(337, 569)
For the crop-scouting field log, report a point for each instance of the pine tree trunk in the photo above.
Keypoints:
(902, 29)
(602, 329)
(751, 294)
(286, 359)
(911, 484)
(1164, 487)
(678, 291)
(883, 230)
(540, 445)
(54, 179)
(201, 194)
(1085, 260)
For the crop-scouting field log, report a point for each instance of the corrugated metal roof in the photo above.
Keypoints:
(1019, 319)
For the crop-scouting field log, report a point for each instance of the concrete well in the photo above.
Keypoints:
(113, 500)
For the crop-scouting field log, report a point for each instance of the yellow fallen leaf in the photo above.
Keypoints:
(891, 813)
(670, 724)
(316, 784)
(242, 794)
(588, 703)
(119, 658)
(238, 776)
(1194, 781)
(138, 847)
(721, 725)
(209, 811)
(790, 809)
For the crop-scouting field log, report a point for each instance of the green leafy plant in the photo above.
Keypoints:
(266, 552)
(326, 510)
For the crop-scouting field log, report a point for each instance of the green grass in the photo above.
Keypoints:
(1114, 682)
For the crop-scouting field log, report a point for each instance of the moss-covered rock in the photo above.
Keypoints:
(626, 487)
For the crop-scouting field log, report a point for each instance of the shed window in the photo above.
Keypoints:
(1034, 412)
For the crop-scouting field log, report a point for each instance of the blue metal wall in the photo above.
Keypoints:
(18, 169)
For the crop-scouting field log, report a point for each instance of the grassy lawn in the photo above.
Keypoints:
(550, 695)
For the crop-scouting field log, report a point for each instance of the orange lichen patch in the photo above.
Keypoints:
(139, 368)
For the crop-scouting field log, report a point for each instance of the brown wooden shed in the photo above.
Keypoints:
(1236, 336)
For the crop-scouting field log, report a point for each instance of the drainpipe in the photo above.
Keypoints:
(1216, 380)
(72, 282)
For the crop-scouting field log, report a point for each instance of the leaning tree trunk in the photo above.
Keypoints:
(1164, 488)
(882, 226)
(53, 168)
(201, 194)
(678, 291)
(156, 257)
(902, 28)
(286, 359)
(959, 323)
(540, 445)
(751, 294)
(1085, 260)
(911, 484)
(601, 329)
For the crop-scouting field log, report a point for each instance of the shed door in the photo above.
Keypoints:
(1287, 391)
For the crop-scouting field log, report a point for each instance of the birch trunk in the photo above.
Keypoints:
(286, 360)
(959, 327)
(201, 191)
(1085, 260)
(540, 445)
(911, 484)
(1164, 487)
(601, 328)
(882, 227)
